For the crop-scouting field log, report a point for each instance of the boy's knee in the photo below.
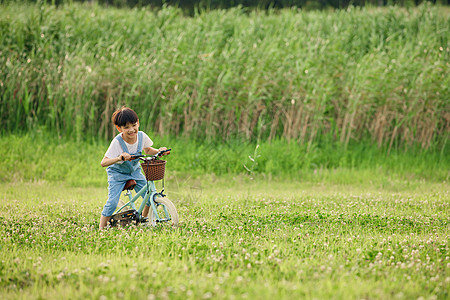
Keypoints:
(110, 206)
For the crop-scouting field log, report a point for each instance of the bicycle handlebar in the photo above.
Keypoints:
(160, 153)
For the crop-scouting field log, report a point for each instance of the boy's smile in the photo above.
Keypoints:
(129, 132)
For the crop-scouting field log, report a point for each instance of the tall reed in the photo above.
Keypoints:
(350, 75)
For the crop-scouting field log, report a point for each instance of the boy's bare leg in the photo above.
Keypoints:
(145, 211)
(103, 222)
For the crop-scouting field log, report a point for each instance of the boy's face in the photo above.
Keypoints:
(130, 131)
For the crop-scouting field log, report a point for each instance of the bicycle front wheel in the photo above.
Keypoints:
(167, 213)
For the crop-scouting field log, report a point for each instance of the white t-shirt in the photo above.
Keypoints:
(115, 149)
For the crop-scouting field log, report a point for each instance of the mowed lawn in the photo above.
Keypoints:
(238, 239)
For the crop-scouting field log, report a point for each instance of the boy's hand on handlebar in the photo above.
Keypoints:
(125, 156)
(164, 151)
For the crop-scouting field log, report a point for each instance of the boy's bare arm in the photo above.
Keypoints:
(106, 161)
(150, 151)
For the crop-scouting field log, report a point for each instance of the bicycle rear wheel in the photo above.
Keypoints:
(167, 213)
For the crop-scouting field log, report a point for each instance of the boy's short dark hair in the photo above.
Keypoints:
(123, 116)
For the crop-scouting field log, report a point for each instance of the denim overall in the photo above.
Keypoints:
(119, 174)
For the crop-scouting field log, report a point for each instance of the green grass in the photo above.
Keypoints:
(237, 239)
(375, 226)
(42, 156)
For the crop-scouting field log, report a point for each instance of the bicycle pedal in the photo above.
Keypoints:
(144, 220)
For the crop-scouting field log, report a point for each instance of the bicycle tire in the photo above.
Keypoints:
(170, 209)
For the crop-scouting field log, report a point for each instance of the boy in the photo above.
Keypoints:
(120, 168)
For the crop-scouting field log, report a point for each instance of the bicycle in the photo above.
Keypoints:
(162, 210)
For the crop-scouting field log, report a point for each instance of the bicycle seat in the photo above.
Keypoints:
(129, 185)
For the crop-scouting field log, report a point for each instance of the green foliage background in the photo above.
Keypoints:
(377, 75)
(190, 6)
(319, 93)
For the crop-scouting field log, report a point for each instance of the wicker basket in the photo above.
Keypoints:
(154, 169)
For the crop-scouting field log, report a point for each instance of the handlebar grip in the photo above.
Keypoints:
(163, 151)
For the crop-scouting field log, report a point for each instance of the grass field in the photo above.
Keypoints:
(310, 152)
(238, 239)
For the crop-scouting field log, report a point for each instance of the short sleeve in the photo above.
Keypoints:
(114, 149)
(146, 141)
